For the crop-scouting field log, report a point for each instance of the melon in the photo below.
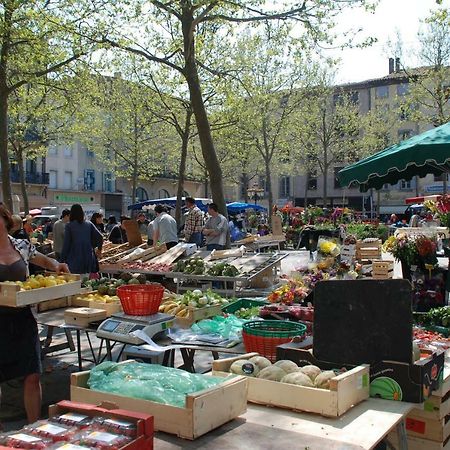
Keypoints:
(386, 388)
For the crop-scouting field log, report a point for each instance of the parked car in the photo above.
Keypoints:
(42, 219)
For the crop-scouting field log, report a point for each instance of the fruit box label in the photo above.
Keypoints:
(417, 426)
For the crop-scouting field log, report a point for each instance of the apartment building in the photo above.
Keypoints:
(386, 92)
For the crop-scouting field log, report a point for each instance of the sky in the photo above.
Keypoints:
(390, 16)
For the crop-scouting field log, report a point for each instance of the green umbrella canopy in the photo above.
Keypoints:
(426, 153)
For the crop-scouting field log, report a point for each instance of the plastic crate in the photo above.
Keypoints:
(244, 303)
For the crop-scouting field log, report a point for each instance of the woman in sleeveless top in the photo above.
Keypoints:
(20, 354)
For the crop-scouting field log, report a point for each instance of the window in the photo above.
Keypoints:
(382, 92)
(68, 182)
(312, 181)
(68, 153)
(89, 180)
(53, 179)
(285, 187)
(404, 185)
(404, 112)
(337, 185)
(89, 153)
(52, 150)
(405, 134)
(107, 182)
(402, 89)
(141, 194)
(386, 186)
(163, 193)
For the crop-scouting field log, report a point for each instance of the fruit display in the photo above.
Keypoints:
(194, 266)
(41, 281)
(110, 250)
(181, 306)
(437, 316)
(247, 313)
(284, 371)
(99, 298)
(148, 266)
(430, 340)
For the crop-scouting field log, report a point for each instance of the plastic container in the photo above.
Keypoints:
(52, 431)
(244, 303)
(73, 420)
(26, 441)
(117, 426)
(141, 299)
(67, 446)
(102, 440)
(263, 336)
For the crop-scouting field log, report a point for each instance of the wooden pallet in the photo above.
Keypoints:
(382, 270)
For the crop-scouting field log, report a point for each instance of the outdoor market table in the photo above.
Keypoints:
(362, 427)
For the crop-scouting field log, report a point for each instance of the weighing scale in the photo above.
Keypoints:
(120, 326)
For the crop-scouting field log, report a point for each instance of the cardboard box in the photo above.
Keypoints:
(413, 382)
(197, 314)
(204, 410)
(82, 317)
(11, 295)
(346, 390)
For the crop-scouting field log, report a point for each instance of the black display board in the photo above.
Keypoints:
(363, 321)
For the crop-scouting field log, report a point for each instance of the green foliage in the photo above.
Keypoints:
(364, 231)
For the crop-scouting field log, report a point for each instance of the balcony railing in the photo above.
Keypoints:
(31, 177)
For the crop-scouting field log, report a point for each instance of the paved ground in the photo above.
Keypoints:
(59, 366)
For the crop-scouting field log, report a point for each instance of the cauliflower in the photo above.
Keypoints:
(323, 380)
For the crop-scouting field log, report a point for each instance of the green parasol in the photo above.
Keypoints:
(426, 153)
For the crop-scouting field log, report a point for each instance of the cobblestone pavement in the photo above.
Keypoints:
(59, 366)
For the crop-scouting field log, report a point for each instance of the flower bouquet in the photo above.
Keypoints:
(294, 291)
(327, 251)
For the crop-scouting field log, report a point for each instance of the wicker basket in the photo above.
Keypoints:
(263, 336)
(140, 299)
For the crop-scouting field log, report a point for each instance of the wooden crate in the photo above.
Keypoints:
(82, 317)
(348, 253)
(109, 308)
(345, 391)
(428, 429)
(196, 314)
(417, 443)
(57, 303)
(368, 250)
(204, 410)
(382, 270)
(11, 295)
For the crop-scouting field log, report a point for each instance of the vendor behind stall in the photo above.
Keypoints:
(164, 228)
(20, 354)
(216, 229)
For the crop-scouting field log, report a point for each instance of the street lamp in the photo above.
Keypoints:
(255, 192)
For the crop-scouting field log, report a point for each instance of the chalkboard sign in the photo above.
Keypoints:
(363, 321)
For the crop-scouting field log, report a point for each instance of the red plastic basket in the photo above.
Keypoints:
(264, 336)
(140, 299)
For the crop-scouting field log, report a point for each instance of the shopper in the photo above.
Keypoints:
(17, 231)
(19, 341)
(28, 225)
(150, 233)
(216, 229)
(82, 241)
(164, 228)
(118, 234)
(58, 233)
(194, 223)
(97, 220)
(112, 222)
(142, 223)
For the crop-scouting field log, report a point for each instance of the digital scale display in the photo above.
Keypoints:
(110, 325)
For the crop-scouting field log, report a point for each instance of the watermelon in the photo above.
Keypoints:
(386, 388)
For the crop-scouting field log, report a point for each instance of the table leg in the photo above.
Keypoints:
(108, 349)
(80, 362)
(188, 359)
(91, 348)
(215, 355)
(69, 339)
(402, 438)
(49, 337)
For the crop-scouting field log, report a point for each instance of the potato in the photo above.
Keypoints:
(287, 366)
(272, 373)
(323, 380)
(298, 378)
(311, 371)
(261, 362)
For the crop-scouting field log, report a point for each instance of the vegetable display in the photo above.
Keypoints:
(283, 371)
(40, 281)
(437, 316)
(108, 286)
(195, 266)
(223, 270)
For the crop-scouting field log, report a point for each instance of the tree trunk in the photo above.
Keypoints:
(4, 157)
(245, 185)
(135, 177)
(201, 117)
(269, 189)
(22, 178)
(206, 183)
(325, 186)
(305, 204)
(182, 168)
